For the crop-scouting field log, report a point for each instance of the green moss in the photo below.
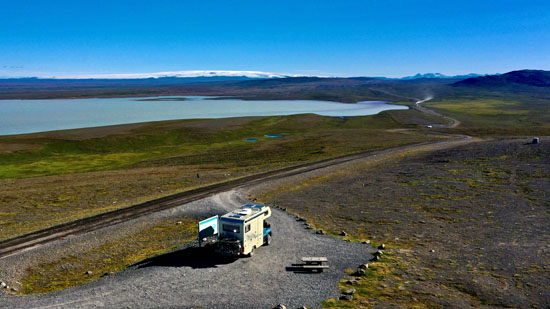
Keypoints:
(510, 116)
(306, 137)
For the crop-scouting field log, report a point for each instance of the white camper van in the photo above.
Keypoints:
(243, 230)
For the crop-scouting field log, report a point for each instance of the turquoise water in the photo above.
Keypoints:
(28, 116)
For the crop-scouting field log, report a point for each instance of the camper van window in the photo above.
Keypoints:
(231, 228)
(247, 228)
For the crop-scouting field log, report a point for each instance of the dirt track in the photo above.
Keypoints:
(453, 122)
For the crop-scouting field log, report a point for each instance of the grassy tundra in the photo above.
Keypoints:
(50, 178)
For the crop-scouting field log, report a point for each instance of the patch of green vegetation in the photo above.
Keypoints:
(481, 116)
(382, 282)
(189, 146)
(110, 257)
(305, 138)
(6, 214)
(414, 117)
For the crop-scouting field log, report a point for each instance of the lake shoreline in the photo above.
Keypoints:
(35, 116)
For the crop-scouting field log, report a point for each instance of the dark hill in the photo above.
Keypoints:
(536, 78)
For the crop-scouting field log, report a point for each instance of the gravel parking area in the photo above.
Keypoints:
(191, 277)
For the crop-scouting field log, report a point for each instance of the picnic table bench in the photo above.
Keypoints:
(314, 263)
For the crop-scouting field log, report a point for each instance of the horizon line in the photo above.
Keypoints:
(224, 73)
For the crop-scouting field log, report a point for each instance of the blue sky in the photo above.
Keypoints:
(337, 38)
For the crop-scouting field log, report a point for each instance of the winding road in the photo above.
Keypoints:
(453, 122)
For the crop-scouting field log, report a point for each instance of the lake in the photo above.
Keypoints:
(29, 116)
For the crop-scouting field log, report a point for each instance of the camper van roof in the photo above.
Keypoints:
(245, 211)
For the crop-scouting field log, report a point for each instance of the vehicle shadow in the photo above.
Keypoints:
(194, 257)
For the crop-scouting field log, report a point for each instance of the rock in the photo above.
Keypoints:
(343, 233)
(364, 266)
(382, 247)
(279, 306)
(108, 274)
(2, 285)
(349, 292)
(346, 297)
(320, 232)
(89, 272)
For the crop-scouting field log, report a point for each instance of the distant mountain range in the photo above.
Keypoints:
(197, 76)
(439, 75)
(536, 78)
(269, 85)
(514, 79)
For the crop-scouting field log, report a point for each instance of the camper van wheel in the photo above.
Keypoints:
(268, 240)
(251, 254)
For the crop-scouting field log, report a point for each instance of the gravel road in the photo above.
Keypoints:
(191, 277)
